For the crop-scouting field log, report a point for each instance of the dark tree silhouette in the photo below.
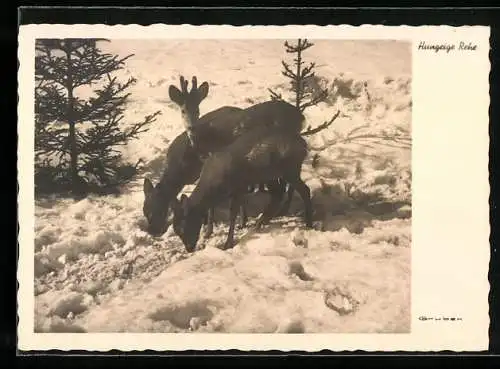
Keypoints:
(76, 138)
(300, 77)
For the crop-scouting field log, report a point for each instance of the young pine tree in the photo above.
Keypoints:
(76, 138)
(301, 76)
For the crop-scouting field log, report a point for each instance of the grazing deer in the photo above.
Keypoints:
(188, 103)
(203, 136)
(183, 167)
(262, 155)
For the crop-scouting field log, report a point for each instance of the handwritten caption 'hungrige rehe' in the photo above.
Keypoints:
(447, 47)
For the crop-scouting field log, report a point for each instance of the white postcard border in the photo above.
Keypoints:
(450, 223)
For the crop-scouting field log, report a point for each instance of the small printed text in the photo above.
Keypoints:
(439, 318)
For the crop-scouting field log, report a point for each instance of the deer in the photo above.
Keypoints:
(262, 155)
(183, 167)
(188, 103)
(202, 136)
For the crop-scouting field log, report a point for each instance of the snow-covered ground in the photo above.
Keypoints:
(96, 270)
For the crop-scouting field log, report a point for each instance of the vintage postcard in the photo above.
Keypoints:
(253, 188)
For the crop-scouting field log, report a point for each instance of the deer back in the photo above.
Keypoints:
(274, 113)
(222, 128)
(259, 155)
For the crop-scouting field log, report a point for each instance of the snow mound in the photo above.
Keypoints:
(267, 284)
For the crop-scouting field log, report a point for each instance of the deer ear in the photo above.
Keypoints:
(148, 187)
(203, 91)
(175, 95)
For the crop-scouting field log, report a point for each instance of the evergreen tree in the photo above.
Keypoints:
(76, 138)
(304, 95)
(300, 77)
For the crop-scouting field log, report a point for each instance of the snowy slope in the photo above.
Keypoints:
(97, 270)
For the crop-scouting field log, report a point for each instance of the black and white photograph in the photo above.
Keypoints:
(206, 185)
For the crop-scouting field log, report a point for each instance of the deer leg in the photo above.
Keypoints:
(233, 212)
(286, 205)
(243, 212)
(305, 194)
(209, 226)
(243, 216)
(276, 191)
